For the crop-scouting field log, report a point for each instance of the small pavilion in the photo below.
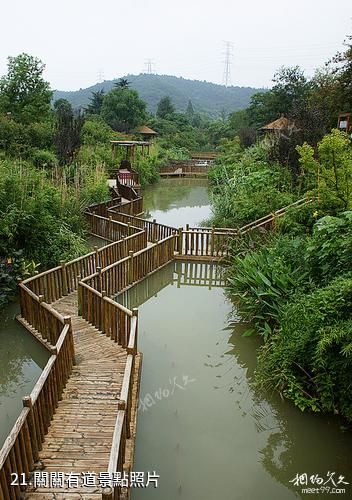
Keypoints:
(280, 125)
(147, 133)
(130, 148)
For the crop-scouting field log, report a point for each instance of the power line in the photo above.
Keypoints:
(226, 78)
(149, 63)
(100, 76)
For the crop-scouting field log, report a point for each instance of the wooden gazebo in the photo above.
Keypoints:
(147, 133)
(130, 148)
(280, 125)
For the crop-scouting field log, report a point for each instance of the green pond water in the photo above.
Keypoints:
(177, 202)
(202, 425)
(22, 360)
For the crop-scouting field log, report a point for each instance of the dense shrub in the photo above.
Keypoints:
(43, 158)
(43, 218)
(310, 359)
(246, 186)
(297, 293)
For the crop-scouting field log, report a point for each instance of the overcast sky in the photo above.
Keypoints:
(79, 39)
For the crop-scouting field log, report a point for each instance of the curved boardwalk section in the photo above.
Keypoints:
(74, 438)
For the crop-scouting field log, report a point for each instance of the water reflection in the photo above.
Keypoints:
(21, 361)
(177, 202)
(176, 273)
(219, 437)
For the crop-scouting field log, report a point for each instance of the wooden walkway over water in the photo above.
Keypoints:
(80, 435)
(81, 415)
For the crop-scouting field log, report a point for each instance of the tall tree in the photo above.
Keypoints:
(23, 91)
(122, 83)
(290, 91)
(165, 107)
(190, 110)
(96, 102)
(67, 131)
(343, 70)
(122, 109)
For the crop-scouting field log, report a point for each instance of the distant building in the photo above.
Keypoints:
(147, 133)
(344, 122)
(280, 126)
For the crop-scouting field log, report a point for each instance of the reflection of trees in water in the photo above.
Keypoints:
(295, 442)
(175, 193)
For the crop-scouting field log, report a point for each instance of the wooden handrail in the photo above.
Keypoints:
(20, 450)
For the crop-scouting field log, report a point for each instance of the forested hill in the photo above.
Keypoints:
(206, 97)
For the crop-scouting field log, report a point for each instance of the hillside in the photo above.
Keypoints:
(206, 97)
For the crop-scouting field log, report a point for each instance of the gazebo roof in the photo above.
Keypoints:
(281, 123)
(130, 143)
(145, 130)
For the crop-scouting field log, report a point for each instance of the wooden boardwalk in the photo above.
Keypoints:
(80, 417)
(80, 435)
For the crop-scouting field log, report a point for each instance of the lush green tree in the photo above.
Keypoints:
(165, 107)
(67, 131)
(23, 91)
(61, 104)
(96, 131)
(123, 110)
(96, 103)
(263, 108)
(343, 71)
(122, 83)
(190, 110)
(290, 90)
(332, 168)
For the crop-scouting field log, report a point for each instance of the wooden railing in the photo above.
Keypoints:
(109, 229)
(101, 208)
(21, 448)
(127, 192)
(269, 219)
(183, 167)
(155, 231)
(216, 242)
(134, 207)
(204, 155)
(203, 242)
(98, 276)
(130, 178)
(122, 430)
(40, 315)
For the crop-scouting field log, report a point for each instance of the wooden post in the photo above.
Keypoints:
(128, 228)
(79, 295)
(107, 494)
(64, 277)
(274, 220)
(99, 284)
(97, 257)
(180, 237)
(135, 315)
(27, 403)
(212, 241)
(110, 227)
(68, 321)
(130, 268)
(102, 326)
(154, 237)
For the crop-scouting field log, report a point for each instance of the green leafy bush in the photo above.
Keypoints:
(43, 158)
(262, 281)
(310, 359)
